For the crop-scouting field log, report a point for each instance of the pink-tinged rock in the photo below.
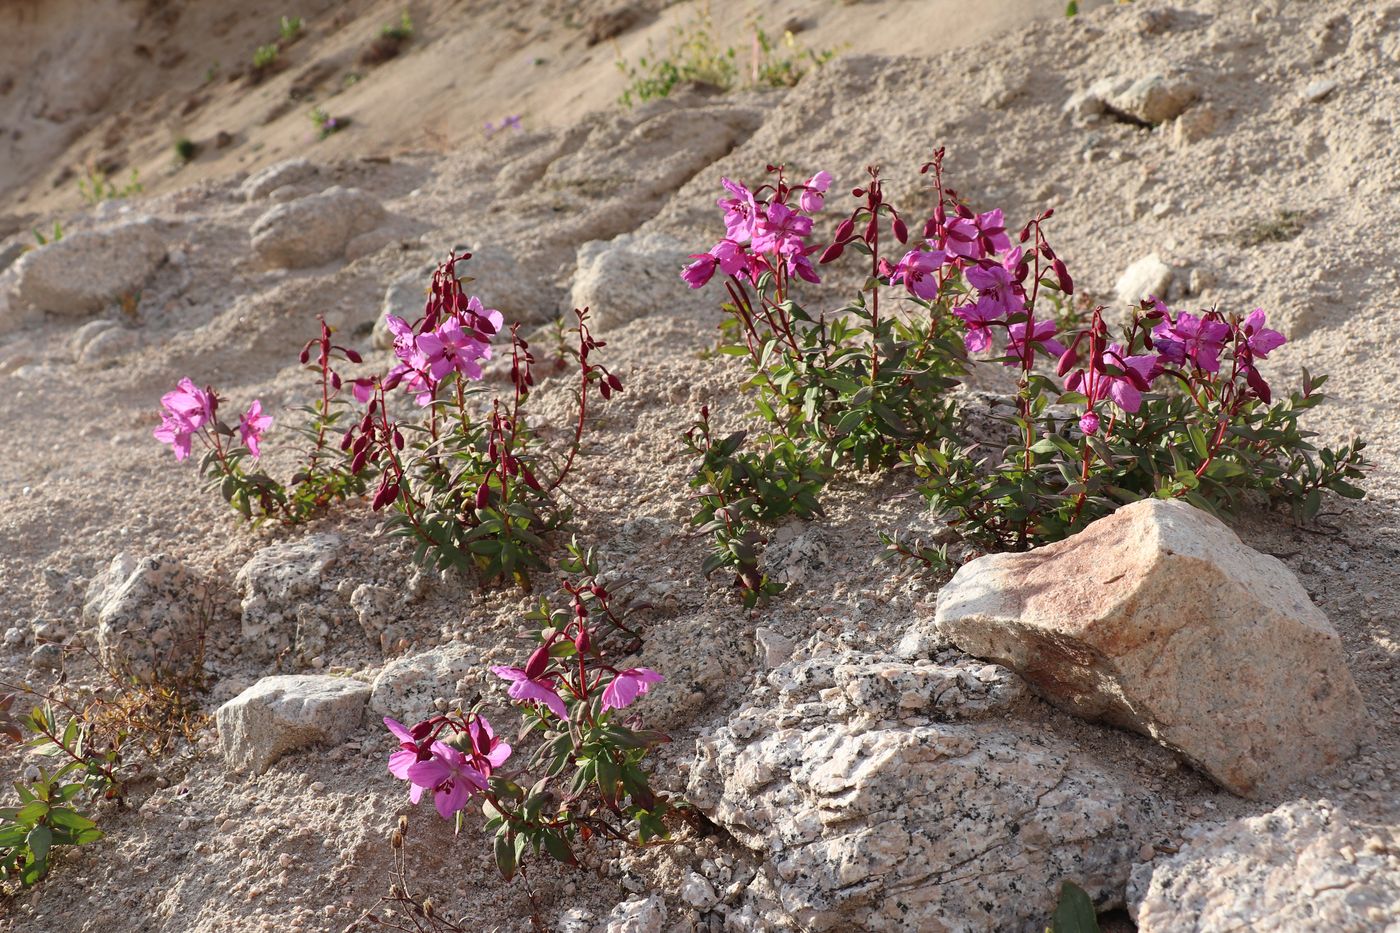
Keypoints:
(1160, 620)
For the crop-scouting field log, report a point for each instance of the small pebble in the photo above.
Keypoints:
(317, 787)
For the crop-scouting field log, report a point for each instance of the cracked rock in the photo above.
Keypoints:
(893, 796)
(1159, 620)
(279, 584)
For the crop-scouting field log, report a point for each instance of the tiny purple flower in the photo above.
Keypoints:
(918, 272)
(529, 690)
(251, 426)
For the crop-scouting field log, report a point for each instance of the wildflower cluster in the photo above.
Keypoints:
(461, 478)
(1175, 408)
(190, 413)
(586, 777)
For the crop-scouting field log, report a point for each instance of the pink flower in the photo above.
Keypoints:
(799, 265)
(739, 211)
(628, 685)
(918, 271)
(406, 757)
(1126, 389)
(1262, 341)
(451, 348)
(1089, 423)
(977, 317)
(1042, 334)
(726, 255)
(813, 197)
(488, 752)
(450, 775)
(363, 389)
(1198, 339)
(251, 427)
(187, 409)
(997, 290)
(975, 237)
(531, 690)
(780, 230)
(699, 272)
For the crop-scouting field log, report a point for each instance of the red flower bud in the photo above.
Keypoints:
(352, 356)
(843, 229)
(1067, 361)
(539, 660)
(482, 494)
(901, 232)
(358, 463)
(347, 440)
(582, 642)
(1061, 273)
(335, 380)
(398, 440)
(831, 253)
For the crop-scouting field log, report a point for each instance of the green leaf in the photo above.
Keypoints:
(1075, 911)
(39, 840)
(506, 862)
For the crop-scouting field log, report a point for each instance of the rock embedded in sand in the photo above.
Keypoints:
(89, 270)
(280, 714)
(1158, 619)
(631, 276)
(263, 182)
(314, 230)
(896, 796)
(279, 585)
(146, 614)
(406, 687)
(1155, 99)
(1303, 866)
(1149, 277)
(639, 915)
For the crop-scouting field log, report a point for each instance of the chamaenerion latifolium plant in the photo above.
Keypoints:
(459, 473)
(587, 777)
(1174, 407)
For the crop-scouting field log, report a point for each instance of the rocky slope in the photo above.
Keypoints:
(1264, 183)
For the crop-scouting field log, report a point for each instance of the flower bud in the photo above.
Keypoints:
(831, 253)
(352, 355)
(582, 641)
(348, 439)
(1089, 423)
(843, 229)
(358, 463)
(615, 382)
(398, 440)
(1062, 274)
(335, 380)
(901, 232)
(539, 660)
(1067, 361)
(306, 353)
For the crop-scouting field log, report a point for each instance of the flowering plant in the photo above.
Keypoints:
(463, 478)
(586, 777)
(1177, 407)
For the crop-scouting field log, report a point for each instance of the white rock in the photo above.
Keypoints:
(1155, 99)
(89, 270)
(264, 182)
(277, 584)
(1319, 91)
(774, 648)
(966, 824)
(314, 230)
(405, 689)
(1158, 619)
(639, 915)
(697, 892)
(281, 714)
(1303, 866)
(1148, 277)
(630, 276)
(146, 614)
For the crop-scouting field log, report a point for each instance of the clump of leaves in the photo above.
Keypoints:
(1283, 226)
(325, 124)
(1074, 912)
(693, 55)
(264, 58)
(740, 492)
(95, 187)
(401, 31)
(290, 28)
(91, 744)
(185, 150)
(53, 237)
(390, 41)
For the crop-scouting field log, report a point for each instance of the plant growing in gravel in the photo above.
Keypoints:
(91, 744)
(185, 150)
(467, 483)
(95, 187)
(264, 58)
(53, 237)
(325, 124)
(463, 479)
(693, 55)
(290, 28)
(1175, 408)
(231, 456)
(402, 31)
(587, 777)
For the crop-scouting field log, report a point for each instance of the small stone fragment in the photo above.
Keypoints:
(1148, 277)
(1319, 91)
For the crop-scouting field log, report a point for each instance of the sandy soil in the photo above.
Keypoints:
(304, 847)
